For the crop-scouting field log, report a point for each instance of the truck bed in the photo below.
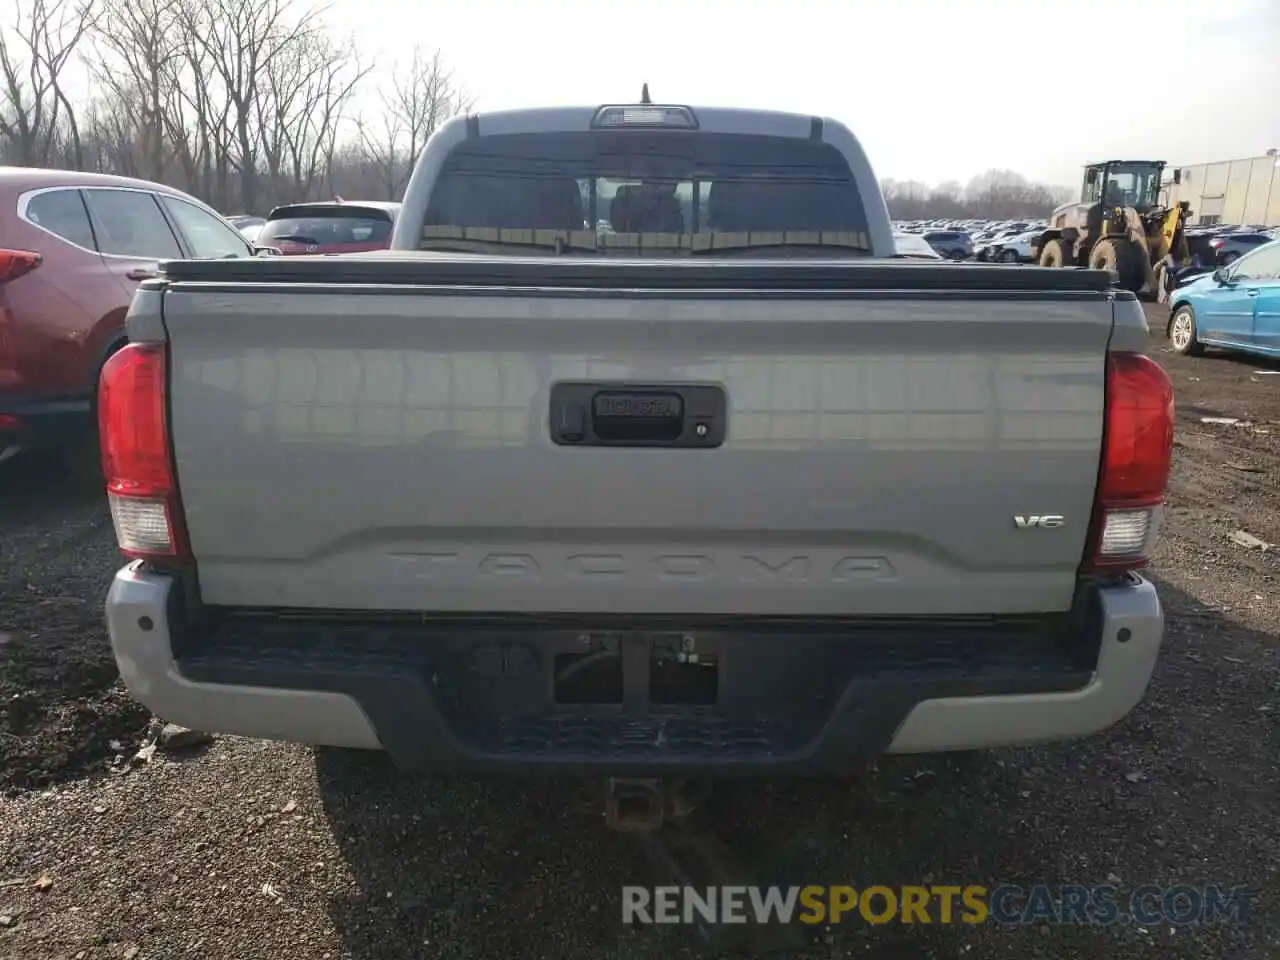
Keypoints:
(377, 433)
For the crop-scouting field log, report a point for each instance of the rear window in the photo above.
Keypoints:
(328, 230)
(647, 182)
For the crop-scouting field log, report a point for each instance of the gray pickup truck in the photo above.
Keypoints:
(640, 454)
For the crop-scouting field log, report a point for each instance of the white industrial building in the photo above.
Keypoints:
(1245, 191)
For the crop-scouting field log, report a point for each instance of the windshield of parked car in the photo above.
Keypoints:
(327, 230)
(643, 191)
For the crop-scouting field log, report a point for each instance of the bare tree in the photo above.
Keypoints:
(948, 190)
(240, 41)
(906, 199)
(307, 86)
(245, 106)
(1059, 195)
(139, 62)
(197, 111)
(1004, 193)
(34, 107)
(423, 96)
(381, 142)
(111, 129)
(242, 107)
(996, 194)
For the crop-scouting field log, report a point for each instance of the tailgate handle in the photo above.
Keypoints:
(637, 415)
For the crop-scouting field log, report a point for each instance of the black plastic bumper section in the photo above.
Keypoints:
(37, 422)
(794, 697)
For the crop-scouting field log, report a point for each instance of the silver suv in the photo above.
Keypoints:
(952, 244)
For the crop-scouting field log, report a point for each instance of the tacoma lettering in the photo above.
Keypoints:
(598, 567)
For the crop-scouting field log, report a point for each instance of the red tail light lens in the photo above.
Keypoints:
(16, 263)
(1137, 455)
(136, 458)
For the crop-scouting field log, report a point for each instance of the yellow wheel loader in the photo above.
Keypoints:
(1118, 224)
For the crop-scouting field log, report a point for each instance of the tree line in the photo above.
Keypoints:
(245, 105)
(250, 105)
(995, 195)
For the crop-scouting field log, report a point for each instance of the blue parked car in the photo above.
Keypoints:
(1236, 306)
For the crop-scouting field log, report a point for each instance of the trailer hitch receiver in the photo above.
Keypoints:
(634, 805)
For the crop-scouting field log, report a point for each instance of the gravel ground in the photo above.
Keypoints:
(245, 849)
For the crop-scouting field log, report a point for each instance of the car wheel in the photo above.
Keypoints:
(1008, 256)
(1182, 332)
(956, 255)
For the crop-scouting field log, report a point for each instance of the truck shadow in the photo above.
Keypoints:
(34, 482)
(494, 868)
(1253, 361)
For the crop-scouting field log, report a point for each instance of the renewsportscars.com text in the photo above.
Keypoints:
(1006, 904)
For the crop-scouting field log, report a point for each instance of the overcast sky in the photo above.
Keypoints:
(935, 89)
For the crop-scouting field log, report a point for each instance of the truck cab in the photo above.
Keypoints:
(1125, 183)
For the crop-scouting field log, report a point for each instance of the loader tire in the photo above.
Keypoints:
(1054, 254)
(1119, 257)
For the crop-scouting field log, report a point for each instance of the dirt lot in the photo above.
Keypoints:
(251, 850)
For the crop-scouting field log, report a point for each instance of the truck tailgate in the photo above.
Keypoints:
(354, 446)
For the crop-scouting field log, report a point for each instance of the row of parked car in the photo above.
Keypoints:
(1231, 243)
(73, 249)
(1003, 241)
(1232, 304)
(1009, 241)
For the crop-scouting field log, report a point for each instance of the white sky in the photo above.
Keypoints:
(935, 89)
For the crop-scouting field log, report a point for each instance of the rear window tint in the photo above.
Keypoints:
(62, 212)
(646, 181)
(128, 223)
(328, 231)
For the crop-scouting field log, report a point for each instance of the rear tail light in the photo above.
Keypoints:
(1218, 243)
(16, 263)
(13, 264)
(1137, 454)
(136, 457)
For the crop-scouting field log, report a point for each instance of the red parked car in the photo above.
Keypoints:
(73, 249)
(335, 226)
